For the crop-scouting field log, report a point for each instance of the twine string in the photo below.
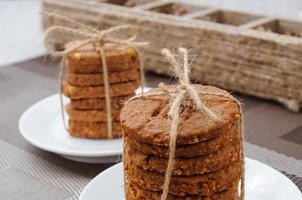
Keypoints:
(174, 113)
(101, 51)
(88, 35)
(61, 92)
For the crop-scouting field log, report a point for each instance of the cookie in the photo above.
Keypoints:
(98, 103)
(92, 69)
(192, 150)
(91, 115)
(83, 80)
(135, 192)
(186, 166)
(205, 184)
(118, 89)
(87, 60)
(146, 119)
(93, 130)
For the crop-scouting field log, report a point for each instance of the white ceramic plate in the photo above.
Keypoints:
(262, 183)
(42, 126)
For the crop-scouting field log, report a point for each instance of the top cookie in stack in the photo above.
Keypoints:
(208, 156)
(84, 85)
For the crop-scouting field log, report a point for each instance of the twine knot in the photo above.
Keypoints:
(101, 39)
(184, 89)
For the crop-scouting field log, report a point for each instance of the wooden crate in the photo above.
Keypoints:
(249, 53)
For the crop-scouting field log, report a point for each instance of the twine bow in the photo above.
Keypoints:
(185, 91)
(89, 35)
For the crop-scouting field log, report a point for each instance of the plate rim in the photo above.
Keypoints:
(91, 182)
(60, 151)
(84, 191)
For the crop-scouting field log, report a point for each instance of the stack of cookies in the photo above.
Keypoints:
(208, 157)
(84, 85)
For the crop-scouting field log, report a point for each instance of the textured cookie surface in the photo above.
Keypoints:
(191, 150)
(87, 60)
(91, 115)
(93, 130)
(98, 103)
(135, 192)
(92, 69)
(205, 184)
(186, 166)
(97, 79)
(147, 120)
(118, 89)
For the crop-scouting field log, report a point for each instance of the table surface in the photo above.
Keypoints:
(273, 136)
